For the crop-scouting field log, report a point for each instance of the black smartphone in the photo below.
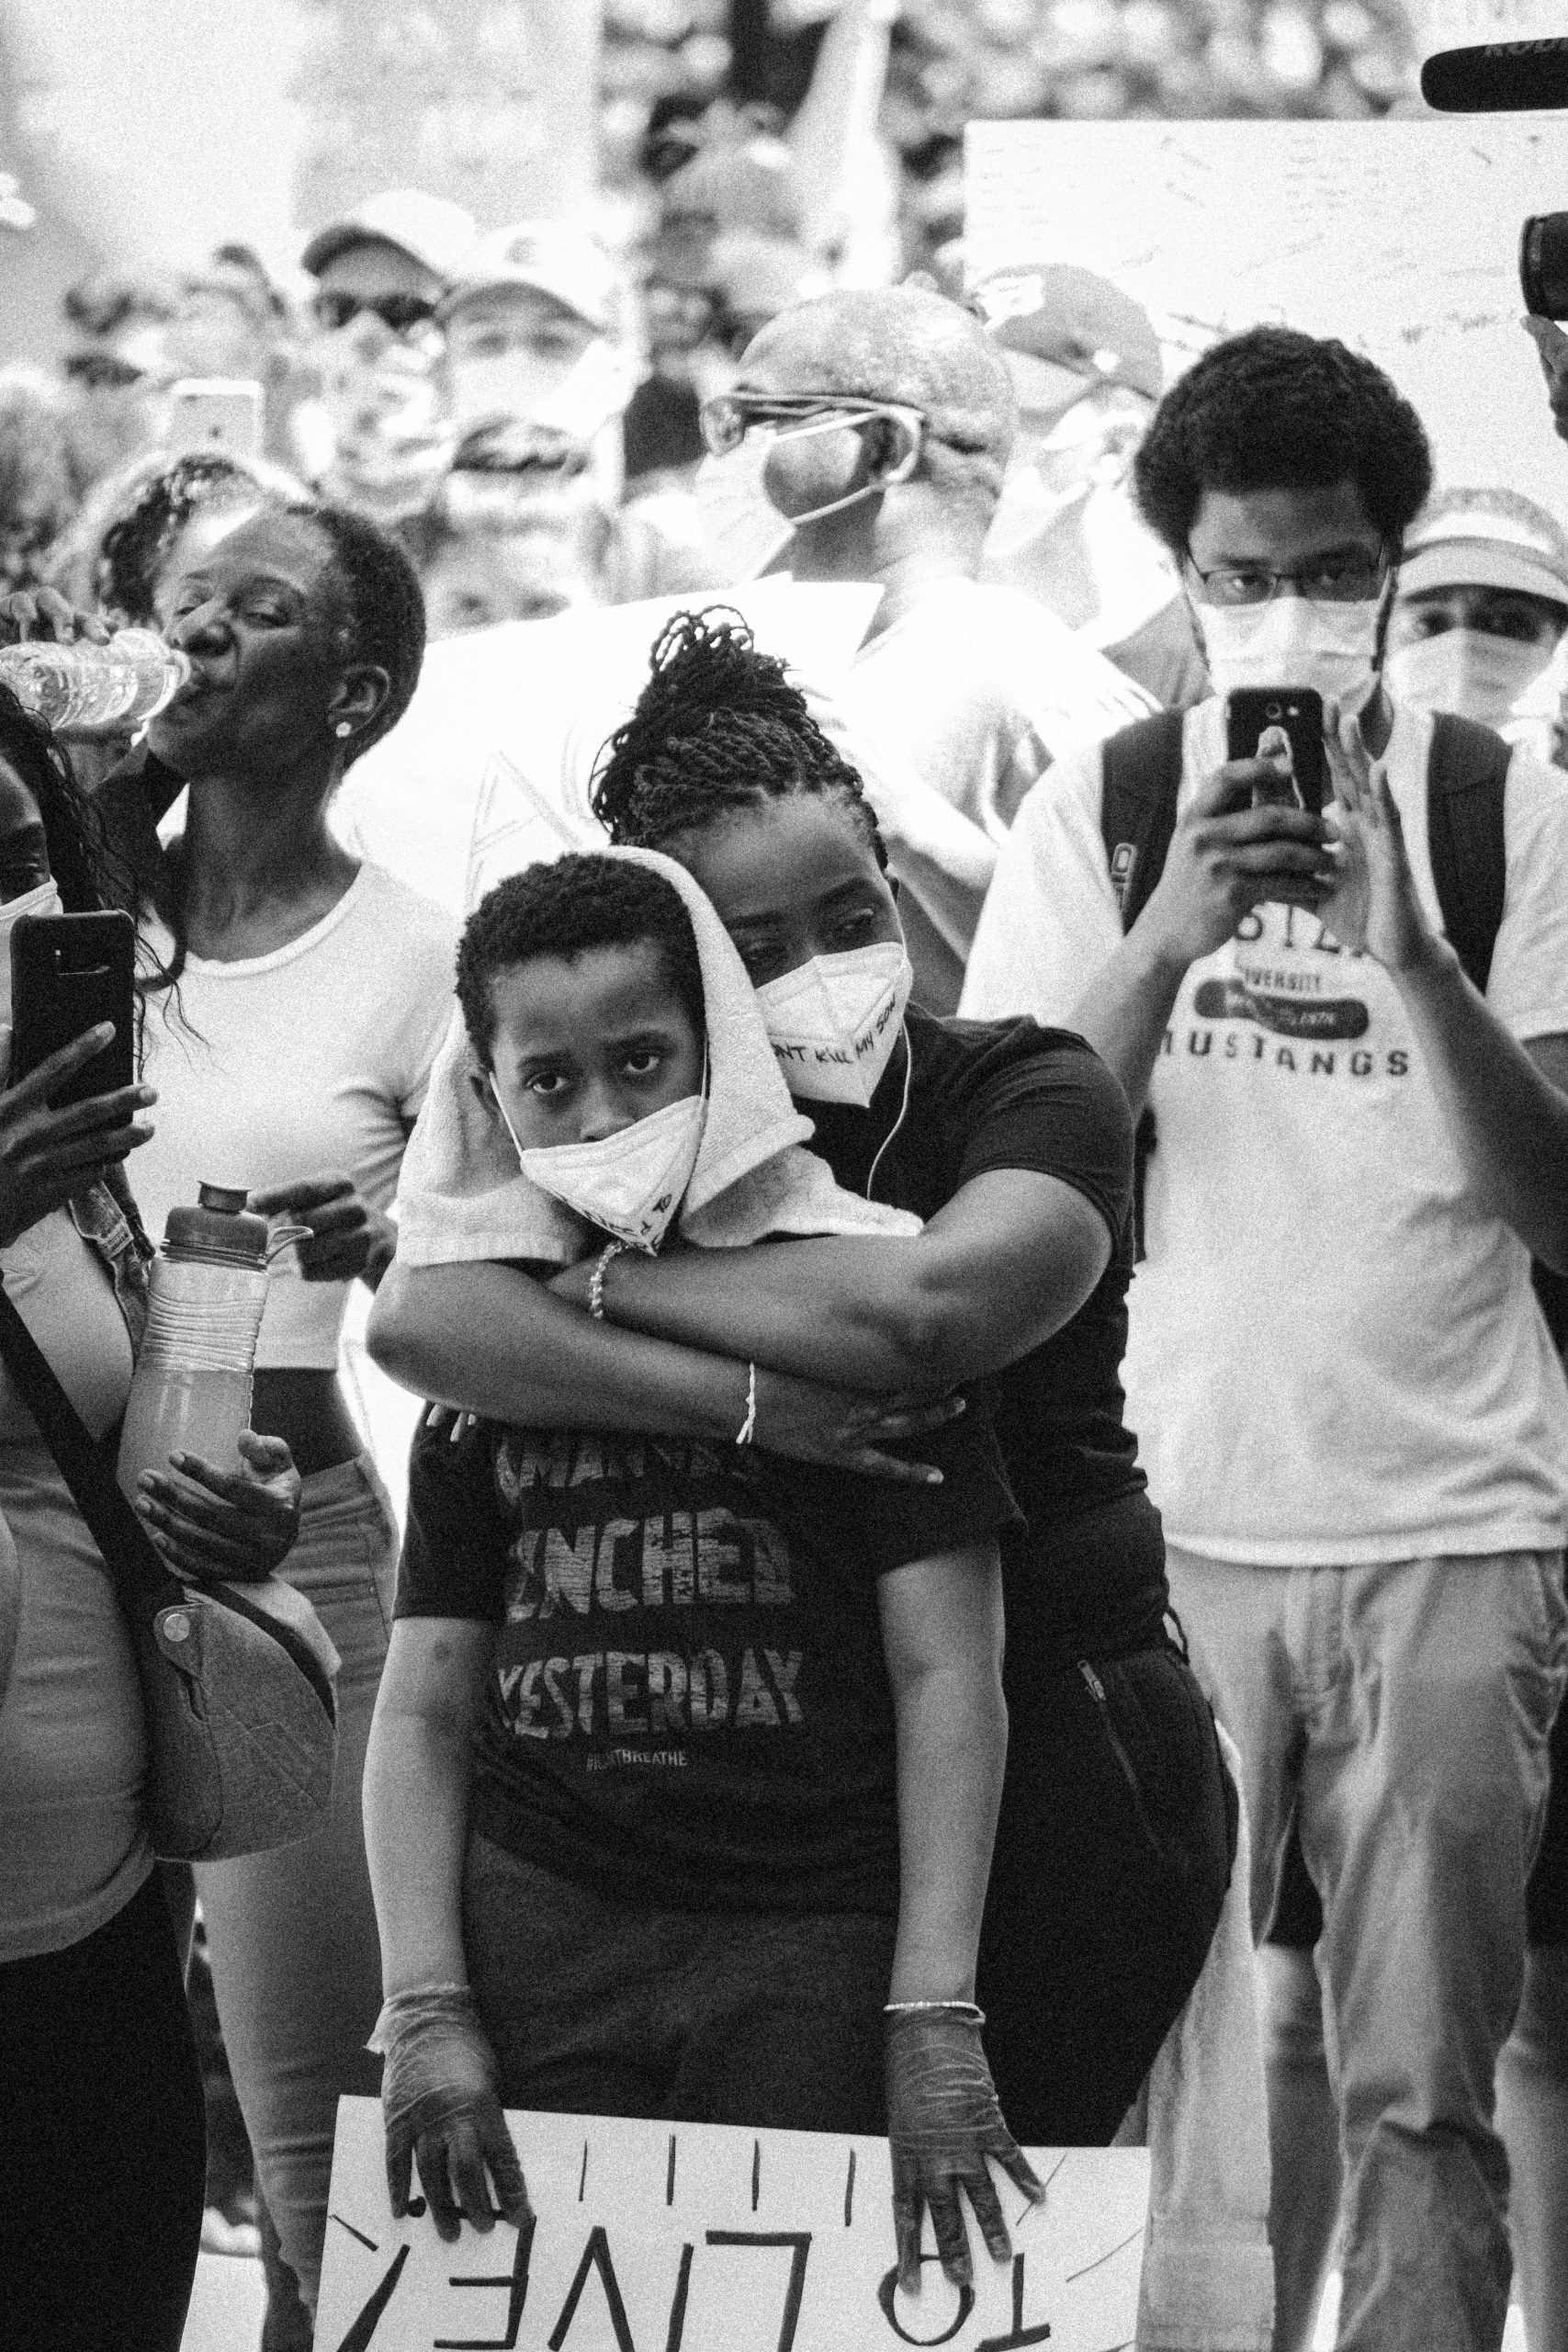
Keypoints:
(1297, 711)
(68, 972)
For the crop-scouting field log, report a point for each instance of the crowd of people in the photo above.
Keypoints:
(984, 1559)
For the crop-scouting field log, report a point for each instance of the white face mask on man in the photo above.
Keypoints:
(1466, 670)
(630, 1184)
(1293, 641)
(833, 1022)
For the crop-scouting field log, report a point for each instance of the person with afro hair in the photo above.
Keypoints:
(1355, 1422)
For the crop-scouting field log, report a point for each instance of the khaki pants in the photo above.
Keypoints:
(1403, 1709)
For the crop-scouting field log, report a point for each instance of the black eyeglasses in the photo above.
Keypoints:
(1353, 579)
(397, 312)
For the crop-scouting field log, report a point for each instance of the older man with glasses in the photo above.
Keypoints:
(1351, 1038)
(866, 439)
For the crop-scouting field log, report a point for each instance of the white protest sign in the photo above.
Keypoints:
(1402, 238)
(430, 800)
(654, 2237)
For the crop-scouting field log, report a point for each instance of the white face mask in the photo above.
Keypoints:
(44, 900)
(1292, 641)
(630, 1184)
(390, 439)
(1467, 671)
(745, 531)
(833, 1022)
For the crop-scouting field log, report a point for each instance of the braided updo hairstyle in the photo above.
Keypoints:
(718, 727)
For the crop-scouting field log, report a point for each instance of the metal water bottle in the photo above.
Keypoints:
(191, 1392)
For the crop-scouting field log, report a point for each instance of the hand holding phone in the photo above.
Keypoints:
(50, 1153)
(1257, 719)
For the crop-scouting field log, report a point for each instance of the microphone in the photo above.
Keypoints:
(1504, 77)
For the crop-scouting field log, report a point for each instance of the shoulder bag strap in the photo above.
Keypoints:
(144, 1580)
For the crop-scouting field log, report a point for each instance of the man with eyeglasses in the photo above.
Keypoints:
(117, 368)
(381, 272)
(1355, 1422)
(866, 440)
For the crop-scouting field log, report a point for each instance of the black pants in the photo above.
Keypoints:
(102, 2142)
(1113, 1854)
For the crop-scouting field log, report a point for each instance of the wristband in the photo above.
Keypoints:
(748, 1429)
(972, 2012)
(596, 1285)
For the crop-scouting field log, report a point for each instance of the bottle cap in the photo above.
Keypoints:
(220, 1228)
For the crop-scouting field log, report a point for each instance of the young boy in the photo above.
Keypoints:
(687, 1757)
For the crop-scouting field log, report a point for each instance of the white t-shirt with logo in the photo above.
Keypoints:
(1336, 1355)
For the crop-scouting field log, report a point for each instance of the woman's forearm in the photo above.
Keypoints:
(493, 1341)
(1000, 1268)
(951, 1751)
(941, 1633)
(416, 1812)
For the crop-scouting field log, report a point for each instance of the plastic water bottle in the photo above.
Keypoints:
(191, 1393)
(86, 689)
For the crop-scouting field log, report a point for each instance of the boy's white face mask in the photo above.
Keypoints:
(630, 1184)
(833, 1022)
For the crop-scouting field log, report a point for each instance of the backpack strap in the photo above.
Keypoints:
(1141, 783)
(1467, 779)
(1467, 775)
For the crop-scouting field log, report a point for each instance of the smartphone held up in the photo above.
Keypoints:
(69, 973)
(1263, 722)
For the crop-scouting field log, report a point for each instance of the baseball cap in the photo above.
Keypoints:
(1060, 327)
(552, 257)
(1485, 539)
(437, 232)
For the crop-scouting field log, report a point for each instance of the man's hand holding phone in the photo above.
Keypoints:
(48, 1156)
(1233, 849)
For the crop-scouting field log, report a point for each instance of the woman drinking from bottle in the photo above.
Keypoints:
(310, 992)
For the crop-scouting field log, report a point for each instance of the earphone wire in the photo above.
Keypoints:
(903, 1111)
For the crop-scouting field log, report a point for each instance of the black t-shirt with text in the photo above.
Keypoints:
(1089, 1578)
(690, 1707)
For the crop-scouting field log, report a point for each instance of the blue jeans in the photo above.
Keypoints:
(296, 1962)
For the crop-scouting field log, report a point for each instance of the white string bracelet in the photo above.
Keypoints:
(597, 1284)
(748, 1429)
(972, 2010)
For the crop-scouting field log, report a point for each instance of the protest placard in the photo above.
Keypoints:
(656, 2237)
(1402, 238)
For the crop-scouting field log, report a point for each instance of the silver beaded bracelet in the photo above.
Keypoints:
(748, 1429)
(596, 1281)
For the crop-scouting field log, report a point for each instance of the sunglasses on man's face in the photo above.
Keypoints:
(397, 312)
(100, 371)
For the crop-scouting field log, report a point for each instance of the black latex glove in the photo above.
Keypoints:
(441, 2101)
(943, 2122)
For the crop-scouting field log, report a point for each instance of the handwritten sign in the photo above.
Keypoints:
(652, 2237)
(1402, 238)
